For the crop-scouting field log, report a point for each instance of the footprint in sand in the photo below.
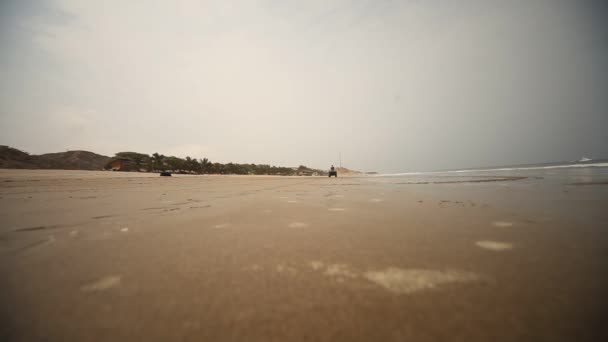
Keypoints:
(297, 225)
(502, 224)
(124, 230)
(376, 200)
(335, 209)
(221, 225)
(494, 245)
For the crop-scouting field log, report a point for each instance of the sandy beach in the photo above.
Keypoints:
(112, 256)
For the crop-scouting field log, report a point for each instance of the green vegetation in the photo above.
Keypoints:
(12, 158)
(133, 161)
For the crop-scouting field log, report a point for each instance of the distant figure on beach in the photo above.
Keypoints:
(333, 172)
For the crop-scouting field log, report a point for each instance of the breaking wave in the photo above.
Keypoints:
(512, 168)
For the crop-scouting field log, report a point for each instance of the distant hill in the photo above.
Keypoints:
(12, 158)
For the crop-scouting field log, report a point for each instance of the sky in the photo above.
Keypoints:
(391, 86)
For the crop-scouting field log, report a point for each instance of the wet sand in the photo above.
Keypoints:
(109, 256)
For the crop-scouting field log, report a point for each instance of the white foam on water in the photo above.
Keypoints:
(286, 269)
(500, 169)
(316, 265)
(407, 281)
(494, 245)
(339, 270)
(396, 280)
(255, 268)
(102, 284)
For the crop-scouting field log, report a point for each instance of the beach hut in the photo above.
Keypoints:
(121, 164)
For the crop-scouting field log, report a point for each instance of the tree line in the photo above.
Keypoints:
(133, 161)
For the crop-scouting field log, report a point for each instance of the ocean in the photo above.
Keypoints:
(576, 192)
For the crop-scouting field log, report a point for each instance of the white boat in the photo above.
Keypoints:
(584, 159)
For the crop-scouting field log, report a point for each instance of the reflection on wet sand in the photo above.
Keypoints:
(96, 256)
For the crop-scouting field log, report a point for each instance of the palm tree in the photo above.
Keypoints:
(188, 164)
(192, 165)
(157, 161)
(205, 165)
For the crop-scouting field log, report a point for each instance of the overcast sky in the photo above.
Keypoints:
(392, 85)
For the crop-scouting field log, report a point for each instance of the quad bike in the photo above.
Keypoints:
(333, 173)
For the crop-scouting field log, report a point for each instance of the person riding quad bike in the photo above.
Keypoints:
(333, 172)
